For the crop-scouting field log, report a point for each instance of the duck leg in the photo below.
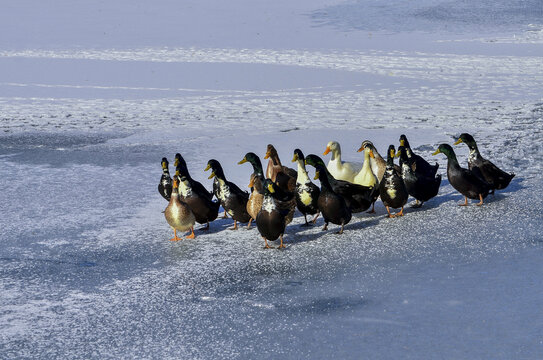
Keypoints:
(400, 213)
(315, 218)
(341, 230)
(235, 226)
(372, 211)
(306, 223)
(266, 241)
(480, 198)
(281, 246)
(249, 224)
(389, 214)
(175, 238)
(325, 226)
(191, 235)
(417, 204)
(465, 202)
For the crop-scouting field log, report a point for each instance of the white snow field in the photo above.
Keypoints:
(93, 94)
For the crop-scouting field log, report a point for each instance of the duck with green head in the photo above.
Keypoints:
(357, 197)
(271, 219)
(333, 207)
(232, 198)
(469, 183)
(165, 185)
(203, 208)
(497, 178)
(419, 186)
(392, 188)
(254, 204)
(417, 163)
(307, 193)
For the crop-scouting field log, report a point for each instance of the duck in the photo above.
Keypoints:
(377, 163)
(232, 198)
(366, 176)
(307, 193)
(333, 207)
(179, 214)
(203, 208)
(283, 176)
(469, 183)
(419, 186)
(165, 185)
(497, 178)
(271, 219)
(418, 164)
(340, 170)
(254, 204)
(392, 188)
(357, 197)
(196, 186)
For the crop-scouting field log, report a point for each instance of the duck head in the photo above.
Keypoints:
(403, 141)
(467, 139)
(334, 147)
(216, 169)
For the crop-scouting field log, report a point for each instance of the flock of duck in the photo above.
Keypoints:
(346, 187)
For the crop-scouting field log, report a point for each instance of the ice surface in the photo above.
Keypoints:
(91, 100)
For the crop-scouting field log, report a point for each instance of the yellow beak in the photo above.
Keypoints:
(212, 175)
(326, 151)
(243, 161)
(164, 165)
(270, 188)
(295, 157)
(402, 142)
(392, 154)
(267, 155)
(436, 152)
(316, 175)
(398, 153)
(458, 141)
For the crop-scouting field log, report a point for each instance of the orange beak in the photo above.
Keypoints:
(326, 151)
(361, 149)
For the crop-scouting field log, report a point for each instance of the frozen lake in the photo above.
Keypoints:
(86, 114)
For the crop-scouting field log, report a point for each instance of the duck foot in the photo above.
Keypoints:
(191, 235)
(480, 198)
(266, 246)
(465, 202)
(417, 205)
(175, 238)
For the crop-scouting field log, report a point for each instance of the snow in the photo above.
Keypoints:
(94, 94)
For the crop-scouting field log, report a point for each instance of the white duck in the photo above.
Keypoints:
(341, 170)
(366, 176)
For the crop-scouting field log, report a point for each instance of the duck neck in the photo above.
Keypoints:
(452, 162)
(302, 178)
(268, 204)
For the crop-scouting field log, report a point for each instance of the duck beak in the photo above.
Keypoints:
(270, 188)
(372, 155)
(402, 142)
(295, 158)
(392, 154)
(458, 141)
(398, 153)
(243, 161)
(436, 152)
(326, 151)
(164, 166)
(267, 155)
(316, 175)
(361, 149)
(212, 175)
